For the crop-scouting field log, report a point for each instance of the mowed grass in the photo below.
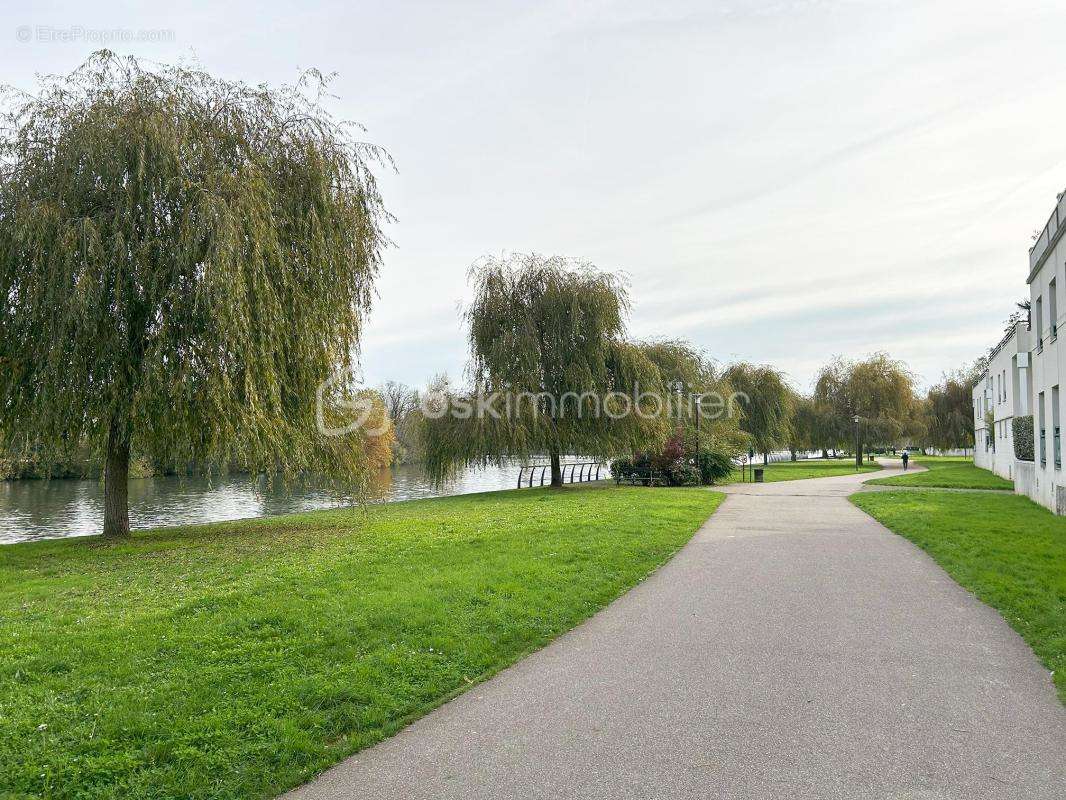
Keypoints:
(1007, 550)
(811, 468)
(948, 472)
(237, 660)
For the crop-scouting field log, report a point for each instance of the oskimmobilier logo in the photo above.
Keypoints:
(342, 407)
(642, 403)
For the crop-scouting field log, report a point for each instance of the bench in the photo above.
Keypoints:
(641, 477)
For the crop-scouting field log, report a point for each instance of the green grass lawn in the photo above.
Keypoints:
(811, 468)
(237, 660)
(948, 472)
(1008, 551)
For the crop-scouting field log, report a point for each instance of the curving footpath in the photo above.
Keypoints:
(795, 648)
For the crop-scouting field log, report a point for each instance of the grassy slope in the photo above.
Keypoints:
(948, 472)
(812, 468)
(1008, 551)
(239, 659)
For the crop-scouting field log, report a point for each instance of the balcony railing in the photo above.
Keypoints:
(1043, 448)
(1058, 451)
(1047, 235)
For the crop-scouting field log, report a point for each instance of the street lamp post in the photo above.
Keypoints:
(699, 399)
(858, 445)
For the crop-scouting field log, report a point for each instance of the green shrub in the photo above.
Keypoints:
(1022, 427)
(715, 466)
(685, 475)
(676, 466)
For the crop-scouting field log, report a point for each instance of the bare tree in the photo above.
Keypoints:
(400, 400)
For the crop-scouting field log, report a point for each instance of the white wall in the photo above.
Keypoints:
(1002, 390)
(1025, 480)
(1046, 287)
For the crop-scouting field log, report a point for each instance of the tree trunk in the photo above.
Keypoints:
(765, 459)
(792, 453)
(825, 453)
(557, 470)
(116, 485)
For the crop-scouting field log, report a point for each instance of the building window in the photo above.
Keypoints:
(1038, 315)
(1020, 391)
(1043, 437)
(1053, 307)
(1055, 426)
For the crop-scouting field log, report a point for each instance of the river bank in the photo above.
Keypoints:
(31, 510)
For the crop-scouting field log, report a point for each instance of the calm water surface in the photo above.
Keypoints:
(32, 510)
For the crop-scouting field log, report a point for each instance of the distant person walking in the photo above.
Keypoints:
(906, 458)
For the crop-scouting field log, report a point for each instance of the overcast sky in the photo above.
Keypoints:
(781, 181)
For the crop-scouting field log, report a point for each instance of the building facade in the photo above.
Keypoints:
(1047, 276)
(1004, 391)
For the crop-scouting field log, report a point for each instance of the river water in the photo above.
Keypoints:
(34, 509)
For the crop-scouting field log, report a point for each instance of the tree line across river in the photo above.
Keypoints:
(545, 342)
(186, 264)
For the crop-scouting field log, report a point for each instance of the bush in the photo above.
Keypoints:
(675, 465)
(1022, 428)
(642, 462)
(685, 475)
(715, 466)
(639, 466)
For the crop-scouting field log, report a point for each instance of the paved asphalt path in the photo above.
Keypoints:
(795, 648)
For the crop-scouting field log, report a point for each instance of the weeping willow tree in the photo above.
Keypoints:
(683, 367)
(879, 390)
(183, 261)
(551, 371)
(948, 410)
(766, 405)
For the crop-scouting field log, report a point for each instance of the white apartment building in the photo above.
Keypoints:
(1004, 391)
(1047, 276)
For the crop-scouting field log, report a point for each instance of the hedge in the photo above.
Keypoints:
(1022, 427)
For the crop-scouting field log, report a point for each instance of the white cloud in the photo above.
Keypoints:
(781, 180)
